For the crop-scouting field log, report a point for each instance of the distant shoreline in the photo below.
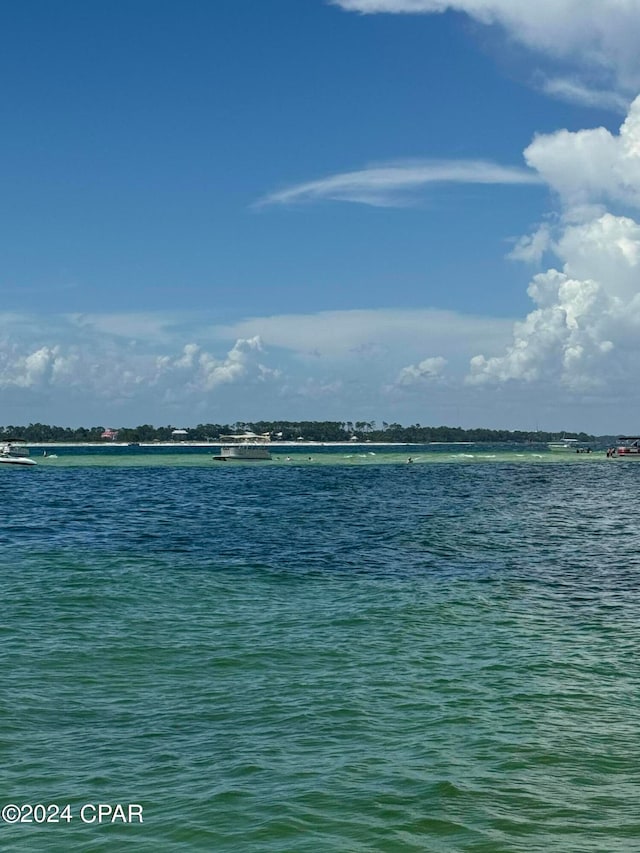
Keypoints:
(209, 444)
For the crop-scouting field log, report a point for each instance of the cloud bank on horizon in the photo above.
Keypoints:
(325, 360)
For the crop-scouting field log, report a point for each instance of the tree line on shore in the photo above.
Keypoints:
(324, 431)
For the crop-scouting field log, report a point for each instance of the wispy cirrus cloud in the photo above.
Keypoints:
(398, 184)
(575, 91)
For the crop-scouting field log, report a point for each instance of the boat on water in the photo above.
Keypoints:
(628, 448)
(568, 445)
(14, 452)
(247, 446)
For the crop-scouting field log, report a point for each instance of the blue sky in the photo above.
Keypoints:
(400, 210)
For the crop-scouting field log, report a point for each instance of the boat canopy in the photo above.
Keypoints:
(247, 436)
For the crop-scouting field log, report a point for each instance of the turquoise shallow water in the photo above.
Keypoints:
(326, 655)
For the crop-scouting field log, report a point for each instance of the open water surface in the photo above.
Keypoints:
(326, 656)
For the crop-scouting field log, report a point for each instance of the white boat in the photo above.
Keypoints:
(242, 447)
(13, 452)
(569, 445)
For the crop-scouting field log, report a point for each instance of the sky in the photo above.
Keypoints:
(411, 211)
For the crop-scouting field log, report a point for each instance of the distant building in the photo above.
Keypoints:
(110, 434)
(179, 434)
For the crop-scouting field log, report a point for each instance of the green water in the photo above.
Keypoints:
(327, 655)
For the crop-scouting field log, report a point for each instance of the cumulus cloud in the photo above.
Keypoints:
(35, 369)
(198, 370)
(397, 184)
(591, 166)
(562, 340)
(428, 370)
(86, 361)
(584, 330)
(596, 37)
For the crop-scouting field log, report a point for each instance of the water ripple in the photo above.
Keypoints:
(381, 658)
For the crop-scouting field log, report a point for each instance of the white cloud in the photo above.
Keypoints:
(330, 364)
(531, 247)
(563, 341)
(591, 166)
(366, 364)
(598, 37)
(396, 184)
(35, 369)
(576, 91)
(197, 370)
(427, 371)
(111, 366)
(584, 332)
